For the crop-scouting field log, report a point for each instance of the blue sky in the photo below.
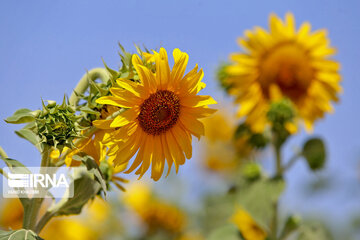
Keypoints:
(46, 46)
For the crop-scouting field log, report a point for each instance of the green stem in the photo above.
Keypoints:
(291, 162)
(43, 221)
(82, 86)
(278, 173)
(32, 211)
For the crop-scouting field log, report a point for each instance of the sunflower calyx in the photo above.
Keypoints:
(223, 75)
(280, 115)
(57, 125)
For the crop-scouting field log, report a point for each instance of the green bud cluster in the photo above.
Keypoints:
(256, 140)
(252, 171)
(279, 114)
(57, 125)
(222, 76)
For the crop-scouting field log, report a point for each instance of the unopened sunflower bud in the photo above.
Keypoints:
(281, 112)
(222, 76)
(252, 171)
(57, 125)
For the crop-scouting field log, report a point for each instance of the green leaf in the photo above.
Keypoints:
(259, 197)
(23, 115)
(22, 234)
(85, 188)
(28, 135)
(291, 225)
(314, 231)
(227, 232)
(315, 153)
(92, 168)
(15, 166)
(218, 210)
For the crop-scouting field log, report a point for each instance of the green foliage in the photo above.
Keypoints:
(22, 234)
(292, 223)
(23, 115)
(17, 167)
(252, 171)
(92, 168)
(315, 153)
(314, 231)
(218, 209)
(259, 197)
(227, 232)
(85, 188)
(257, 140)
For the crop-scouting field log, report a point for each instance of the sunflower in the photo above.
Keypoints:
(249, 229)
(223, 153)
(12, 214)
(156, 214)
(163, 112)
(284, 63)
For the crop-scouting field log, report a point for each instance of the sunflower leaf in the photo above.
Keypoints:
(227, 232)
(258, 198)
(23, 115)
(28, 135)
(315, 153)
(85, 188)
(21, 234)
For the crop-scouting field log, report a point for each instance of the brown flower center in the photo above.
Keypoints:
(159, 112)
(289, 67)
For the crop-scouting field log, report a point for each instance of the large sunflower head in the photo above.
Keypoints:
(162, 113)
(284, 63)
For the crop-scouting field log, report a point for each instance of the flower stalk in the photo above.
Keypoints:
(32, 211)
(83, 84)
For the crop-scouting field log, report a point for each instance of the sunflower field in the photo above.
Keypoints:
(179, 120)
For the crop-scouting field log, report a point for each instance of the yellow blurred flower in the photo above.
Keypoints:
(11, 214)
(222, 151)
(155, 213)
(88, 226)
(284, 62)
(249, 229)
(162, 115)
(68, 228)
(191, 236)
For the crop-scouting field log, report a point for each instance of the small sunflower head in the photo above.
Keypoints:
(57, 125)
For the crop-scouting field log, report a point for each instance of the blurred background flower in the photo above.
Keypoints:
(52, 44)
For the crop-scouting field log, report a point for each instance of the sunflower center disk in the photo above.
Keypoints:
(289, 67)
(159, 112)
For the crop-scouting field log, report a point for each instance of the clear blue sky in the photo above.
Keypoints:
(46, 46)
